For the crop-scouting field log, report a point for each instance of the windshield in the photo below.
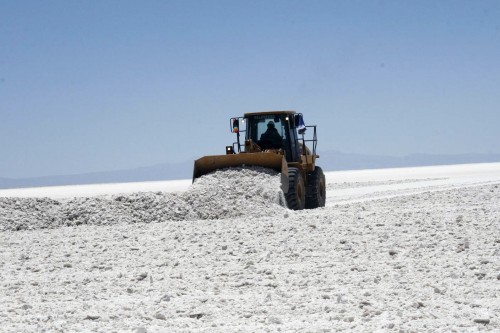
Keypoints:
(268, 131)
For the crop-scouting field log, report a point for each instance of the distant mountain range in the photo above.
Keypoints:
(336, 160)
(329, 161)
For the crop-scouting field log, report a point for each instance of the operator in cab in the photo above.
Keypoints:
(271, 139)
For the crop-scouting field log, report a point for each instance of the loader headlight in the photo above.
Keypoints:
(229, 150)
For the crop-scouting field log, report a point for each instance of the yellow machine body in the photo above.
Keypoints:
(302, 181)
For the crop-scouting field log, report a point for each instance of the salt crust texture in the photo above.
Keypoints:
(426, 262)
(223, 194)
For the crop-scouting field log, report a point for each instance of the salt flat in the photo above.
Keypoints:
(403, 250)
(453, 175)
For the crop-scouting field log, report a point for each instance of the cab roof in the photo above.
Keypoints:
(287, 112)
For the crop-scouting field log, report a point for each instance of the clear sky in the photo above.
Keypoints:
(104, 85)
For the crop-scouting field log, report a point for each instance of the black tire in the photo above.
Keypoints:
(296, 195)
(316, 189)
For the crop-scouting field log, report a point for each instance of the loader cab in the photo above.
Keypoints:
(257, 129)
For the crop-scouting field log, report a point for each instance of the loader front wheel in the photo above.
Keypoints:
(296, 195)
(316, 189)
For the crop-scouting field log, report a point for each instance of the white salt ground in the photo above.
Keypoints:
(424, 261)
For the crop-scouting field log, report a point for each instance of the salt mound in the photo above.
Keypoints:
(222, 194)
(236, 192)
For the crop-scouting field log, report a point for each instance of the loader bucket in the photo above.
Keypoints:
(277, 162)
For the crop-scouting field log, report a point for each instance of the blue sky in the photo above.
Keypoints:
(104, 85)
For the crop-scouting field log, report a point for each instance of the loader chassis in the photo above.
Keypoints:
(302, 182)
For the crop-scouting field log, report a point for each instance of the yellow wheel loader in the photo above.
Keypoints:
(275, 140)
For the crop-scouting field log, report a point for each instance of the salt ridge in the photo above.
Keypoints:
(227, 193)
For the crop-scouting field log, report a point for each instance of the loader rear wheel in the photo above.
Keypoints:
(316, 189)
(296, 195)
